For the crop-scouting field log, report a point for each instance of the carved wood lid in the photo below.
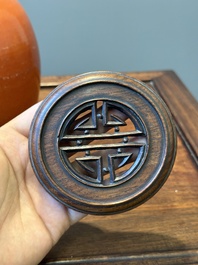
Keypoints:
(102, 143)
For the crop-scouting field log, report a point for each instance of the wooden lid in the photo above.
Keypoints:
(102, 143)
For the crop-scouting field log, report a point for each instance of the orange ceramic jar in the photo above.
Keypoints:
(19, 61)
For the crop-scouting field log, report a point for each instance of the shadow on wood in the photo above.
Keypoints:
(83, 242)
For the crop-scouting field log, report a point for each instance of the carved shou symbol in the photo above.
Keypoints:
(102, 143)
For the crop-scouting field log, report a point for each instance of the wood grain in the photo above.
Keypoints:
(183, 106)
(163, 230)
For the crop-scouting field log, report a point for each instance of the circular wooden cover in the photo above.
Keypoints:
(102, 143)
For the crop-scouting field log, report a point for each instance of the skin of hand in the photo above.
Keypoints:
(31, 221)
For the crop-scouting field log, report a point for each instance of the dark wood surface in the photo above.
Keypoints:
(163, 230)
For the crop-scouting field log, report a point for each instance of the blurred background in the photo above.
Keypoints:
(77, 36)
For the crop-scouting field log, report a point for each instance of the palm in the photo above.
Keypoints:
(31, 221)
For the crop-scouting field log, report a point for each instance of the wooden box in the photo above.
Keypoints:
(164, 230)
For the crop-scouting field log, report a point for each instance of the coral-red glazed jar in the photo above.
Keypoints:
(19, 61)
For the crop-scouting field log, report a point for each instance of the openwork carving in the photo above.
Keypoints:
(102, 143)
(96, 146)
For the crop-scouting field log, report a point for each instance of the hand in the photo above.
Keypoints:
(31, 221)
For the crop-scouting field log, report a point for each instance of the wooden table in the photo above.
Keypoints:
(163, 230)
